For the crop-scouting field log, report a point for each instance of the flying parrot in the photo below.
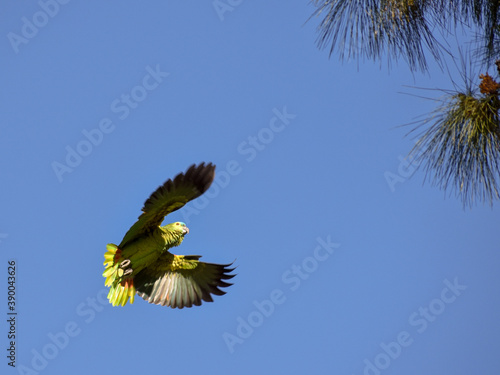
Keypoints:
(142, 263)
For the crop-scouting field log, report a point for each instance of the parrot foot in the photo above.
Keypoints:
(124, 267)
(127, 272)
(125, 264)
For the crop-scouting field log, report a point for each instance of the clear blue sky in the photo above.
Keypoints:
(339, 272)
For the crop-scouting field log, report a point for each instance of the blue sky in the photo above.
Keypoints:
(339, 270)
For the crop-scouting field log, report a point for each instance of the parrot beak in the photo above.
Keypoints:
(185, 230)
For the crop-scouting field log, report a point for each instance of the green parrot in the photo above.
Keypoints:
(142, 263)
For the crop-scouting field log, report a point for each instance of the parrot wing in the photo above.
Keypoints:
(171, 196)
(182, 282)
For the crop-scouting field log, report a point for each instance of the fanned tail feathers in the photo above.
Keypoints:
(120, 289)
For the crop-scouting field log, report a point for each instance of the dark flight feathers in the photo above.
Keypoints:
(169, 197)
(183, 287)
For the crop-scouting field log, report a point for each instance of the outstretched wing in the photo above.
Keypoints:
(171, 196)
(182, 283)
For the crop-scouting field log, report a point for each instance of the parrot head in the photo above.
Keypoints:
(178, 227)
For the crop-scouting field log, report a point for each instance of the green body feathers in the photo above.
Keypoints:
(142, 262)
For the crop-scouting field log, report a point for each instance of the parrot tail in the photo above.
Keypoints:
(121, 289)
